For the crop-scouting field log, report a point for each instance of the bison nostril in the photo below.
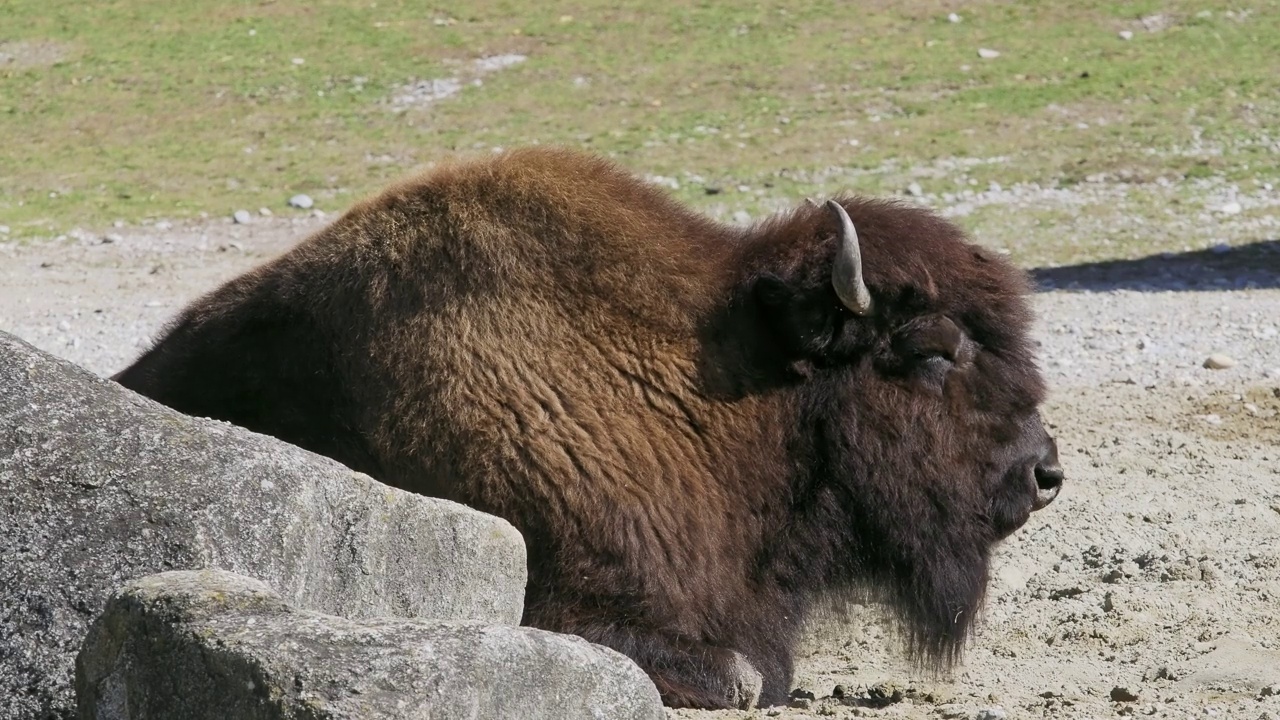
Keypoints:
(1049, 476)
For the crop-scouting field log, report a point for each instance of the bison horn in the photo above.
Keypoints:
(846, 275)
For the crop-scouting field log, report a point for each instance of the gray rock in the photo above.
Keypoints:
(1235, 662)
(99, 485)
(1218, 361)
(242, 217)
(1120, 693)
(301, 201)
(211, 644)
(991, 713)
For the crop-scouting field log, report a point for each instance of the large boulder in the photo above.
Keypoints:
(208, 645)
(99, 485)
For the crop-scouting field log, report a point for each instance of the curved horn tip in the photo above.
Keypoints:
(846, 273)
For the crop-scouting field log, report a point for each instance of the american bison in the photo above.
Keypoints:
(700, 429)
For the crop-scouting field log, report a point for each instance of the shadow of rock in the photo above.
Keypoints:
(1256, 265)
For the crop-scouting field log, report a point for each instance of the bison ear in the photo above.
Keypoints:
(803, 322)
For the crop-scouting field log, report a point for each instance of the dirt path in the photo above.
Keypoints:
(1151, 587)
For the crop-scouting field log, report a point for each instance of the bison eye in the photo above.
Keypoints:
(930, 347)
(933, 370)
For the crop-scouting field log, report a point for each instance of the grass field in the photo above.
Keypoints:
(142, 109)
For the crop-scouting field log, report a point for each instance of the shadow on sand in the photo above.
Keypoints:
(1256, 265)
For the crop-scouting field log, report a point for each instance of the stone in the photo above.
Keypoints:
(242, 217)
(1123, 694)
(210, 644)
(300, 201)
(99, 485)
(991, 713)
(1218, 361)
(1237, 662)
(1126, 34)
(988, 54)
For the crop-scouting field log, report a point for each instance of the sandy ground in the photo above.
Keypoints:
(1151, 587)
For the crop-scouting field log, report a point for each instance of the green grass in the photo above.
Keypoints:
(169, 108)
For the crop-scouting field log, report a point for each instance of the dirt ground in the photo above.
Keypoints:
(1151, 587)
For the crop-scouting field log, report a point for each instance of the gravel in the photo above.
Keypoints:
(1158, 568)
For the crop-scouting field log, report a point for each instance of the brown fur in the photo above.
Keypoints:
(694, 437)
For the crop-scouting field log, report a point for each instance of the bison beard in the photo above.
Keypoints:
(699, 429)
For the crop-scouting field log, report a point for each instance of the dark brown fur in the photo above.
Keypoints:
(693, 435)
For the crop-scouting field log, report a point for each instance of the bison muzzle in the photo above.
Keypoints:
(699, 429)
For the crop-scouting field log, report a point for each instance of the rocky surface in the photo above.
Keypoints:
(99, 485)
(211, 645)
(1160, 558)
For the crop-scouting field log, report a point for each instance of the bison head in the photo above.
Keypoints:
(915, 428)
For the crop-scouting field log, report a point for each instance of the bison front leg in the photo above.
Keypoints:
(713, 679)
(687, 673)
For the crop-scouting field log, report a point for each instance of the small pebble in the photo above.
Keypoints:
(301, 201)
(991, 713)
(952, 711)
(242, 217)
(742, 217)
(1231, 208)
(4, 229)
(112, 238)
(915, 190)
(953, 18)
(1126, 34)
(264, 212)
(988, 53)
(1218, 361)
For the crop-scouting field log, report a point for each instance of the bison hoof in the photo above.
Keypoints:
(745, 683)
